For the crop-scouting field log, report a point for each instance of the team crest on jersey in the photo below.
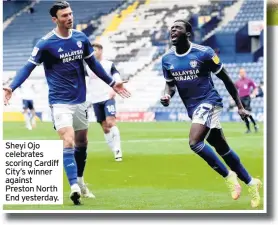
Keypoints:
(35, 51)
(193, 63)
(216, 59)
(79, 44)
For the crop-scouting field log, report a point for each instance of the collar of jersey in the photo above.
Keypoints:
(184, 54)
(68, 37)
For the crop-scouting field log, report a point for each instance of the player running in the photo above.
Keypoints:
(62, 52)
(103, 99)
(187, 67)
(27, 93)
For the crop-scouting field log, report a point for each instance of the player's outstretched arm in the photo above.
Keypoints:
(20, 77)
(97, 68)
(170, 90)
(231, 88)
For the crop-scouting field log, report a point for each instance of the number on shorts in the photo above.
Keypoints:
(202, 112)
(86, 113)
(111, 108)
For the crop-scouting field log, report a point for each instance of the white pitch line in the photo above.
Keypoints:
(164, 140)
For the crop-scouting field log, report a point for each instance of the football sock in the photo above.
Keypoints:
(247, 123)
(109, 140)
(80, 155)
(116, 139)
(27, 119)
(210, 157)
(233, 161)
(70, 165)
(252, 119)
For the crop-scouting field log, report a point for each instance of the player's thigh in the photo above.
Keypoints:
(62, 116)
(80, 117)
(110, 109)
(31, 104)
(24, 104)
(99, 112)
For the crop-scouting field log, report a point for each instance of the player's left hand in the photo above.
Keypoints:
(121, 90)
(243, 113)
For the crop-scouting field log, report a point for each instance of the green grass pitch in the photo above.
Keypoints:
(158, 171)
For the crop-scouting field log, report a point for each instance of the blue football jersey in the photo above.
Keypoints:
(62, 59)
(191, 73)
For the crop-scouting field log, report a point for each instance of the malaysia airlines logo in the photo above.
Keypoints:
(193, 63)
(79, 44)
(60, 50)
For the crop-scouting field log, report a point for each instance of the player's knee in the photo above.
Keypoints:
(68, 141)
(110, 123)
(196, 146)
(105, 128)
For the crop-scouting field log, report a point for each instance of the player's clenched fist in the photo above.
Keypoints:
(165, 100)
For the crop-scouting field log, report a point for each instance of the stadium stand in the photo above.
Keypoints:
(135, 35)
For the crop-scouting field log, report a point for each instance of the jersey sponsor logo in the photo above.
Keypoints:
(185, 75)
(215, 59)
(71, 56)
(79, 44)
(193, 63)
(35, 51)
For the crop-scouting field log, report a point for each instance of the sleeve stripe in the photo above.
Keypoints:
(89, 56)
(219, 69)
(112, 83)
(31, 61)
(169, 80)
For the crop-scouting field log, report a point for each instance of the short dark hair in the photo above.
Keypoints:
(97, 45)
(188, 26)
(58, 5)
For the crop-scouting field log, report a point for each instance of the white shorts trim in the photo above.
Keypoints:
(208, 115)
(66, 115)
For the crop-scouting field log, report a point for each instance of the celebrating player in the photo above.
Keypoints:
(103, 99)
(62, 52)
(187, 67)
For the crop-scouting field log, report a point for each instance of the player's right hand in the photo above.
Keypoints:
(243, 113)
(7, 95)
(165, 100)
(121, 90)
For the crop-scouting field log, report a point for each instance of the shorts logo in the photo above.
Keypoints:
(215, 59)
(79, 44)
(193, 63)
(35, 51)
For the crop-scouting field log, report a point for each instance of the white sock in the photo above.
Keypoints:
(27, 120)
(109, 140)
(33, 120)
(116, 141)
(80, 180)
(251, 182)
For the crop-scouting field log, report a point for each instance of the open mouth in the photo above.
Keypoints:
(173, 36)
